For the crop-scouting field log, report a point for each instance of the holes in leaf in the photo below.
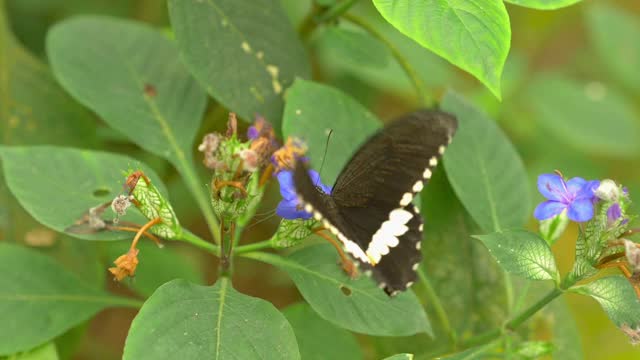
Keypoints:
(345, 290)
(101, 192)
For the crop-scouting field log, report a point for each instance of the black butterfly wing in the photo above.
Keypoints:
(370, 205)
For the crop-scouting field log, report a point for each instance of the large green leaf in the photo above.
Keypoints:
(614, 33)
(354, 304)
(40, 300)
(474, 36)
(544, 4)
(591, 117)
(245, 54)
(522, 253)
(158, 265)
(44, 352)
(312, 109)
(400, 357)
(183, 320)
(485, 169)
(132, 76)
(466, 279)
(319, 339)
(356, 47)
(617, 298)
(58, 185)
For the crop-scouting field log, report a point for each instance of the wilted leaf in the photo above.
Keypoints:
(58, 185)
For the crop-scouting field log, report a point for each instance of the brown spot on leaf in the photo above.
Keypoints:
(150, 90)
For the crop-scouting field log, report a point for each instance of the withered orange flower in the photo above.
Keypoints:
(125, 265)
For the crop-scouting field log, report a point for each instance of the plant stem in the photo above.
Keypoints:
(260, 245)
(423, 96)
(185, 167)
(434, 300)
(335, 11)
(193, 239)
(514, 323)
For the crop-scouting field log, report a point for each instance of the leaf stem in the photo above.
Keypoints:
(193, 239)
(260, 245)
(423, 96)
(513, 324)
(188, 172)
(335, 11)
(434, 300)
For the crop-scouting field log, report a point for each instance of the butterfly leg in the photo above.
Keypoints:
(622, 266)
(348, 266)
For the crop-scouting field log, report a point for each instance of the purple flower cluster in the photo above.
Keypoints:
(290, 207)
(576, 196)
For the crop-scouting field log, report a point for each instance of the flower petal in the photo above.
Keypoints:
(289, 210)
(551, 186)
(287, 189)
(315, 177)
(614, 212)
(580, 210)
(548, 209)
(575, 185)
(588, 191)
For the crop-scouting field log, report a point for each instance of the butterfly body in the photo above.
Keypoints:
(370, 208)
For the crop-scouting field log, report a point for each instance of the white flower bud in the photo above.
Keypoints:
(250, 159)
(633, 255)
(608, 190)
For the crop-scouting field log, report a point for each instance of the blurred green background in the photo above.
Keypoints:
(571, 101)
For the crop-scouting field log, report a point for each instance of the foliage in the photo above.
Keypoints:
(100, 118)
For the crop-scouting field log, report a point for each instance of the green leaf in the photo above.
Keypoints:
(575, 112)
(312, 109)
(157, 265)
(400, 357)
(208, 322)
(245, 58)
(614, 33)
(319, 339)
(485, 169)
(467, 280)
(44, 352)
(534, 349)
(522, 253)
(58, 185)
(617, 298)
(552, 229)
(356, 47)
(357, 305)
(544, 4)
(469, 354)
(132, 76)
(41, 300)
(474, 36)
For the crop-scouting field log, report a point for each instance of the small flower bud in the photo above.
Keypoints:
(250, 159)
(633, 334)
(120, 204)
(210, 143)
(125, 265)
(608, 190)
(633, 255)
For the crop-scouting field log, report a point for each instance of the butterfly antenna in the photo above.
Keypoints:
(324, 156)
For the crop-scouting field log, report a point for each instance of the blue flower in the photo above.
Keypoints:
(614, 213)
(576, 196)
(290, 208)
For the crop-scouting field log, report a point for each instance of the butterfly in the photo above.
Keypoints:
(370, 208)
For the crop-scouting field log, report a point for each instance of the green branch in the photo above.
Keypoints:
(257, 246)
(197, 241)
(513, 324)
(421, 90)
(434, 301)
